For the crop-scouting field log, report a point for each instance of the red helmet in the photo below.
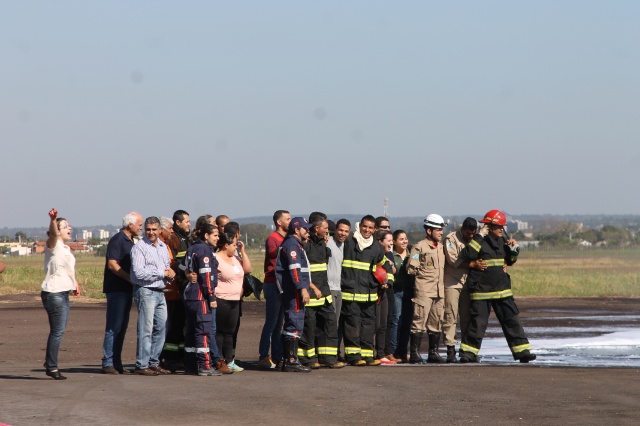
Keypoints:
(495, 217)
(380, 274)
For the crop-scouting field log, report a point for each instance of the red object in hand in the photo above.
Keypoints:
(53, 213)
(380, 274)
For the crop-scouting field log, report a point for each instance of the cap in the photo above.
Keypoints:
(332, 226)
(299, 222)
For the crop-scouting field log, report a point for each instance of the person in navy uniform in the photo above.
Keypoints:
(293, 278)
(199, 299)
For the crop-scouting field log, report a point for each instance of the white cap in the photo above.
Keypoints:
(434, 221)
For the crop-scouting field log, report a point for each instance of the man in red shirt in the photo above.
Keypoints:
(270, 338)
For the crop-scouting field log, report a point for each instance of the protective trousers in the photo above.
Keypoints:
(197, 334)
(174, 342)
(359, 323)
(507, 313)
(428, 313)
(320, 337)
(293, 315)
(456, 311)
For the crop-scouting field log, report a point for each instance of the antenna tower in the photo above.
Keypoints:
(386, 206)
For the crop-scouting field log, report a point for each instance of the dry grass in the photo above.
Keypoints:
(551, 274)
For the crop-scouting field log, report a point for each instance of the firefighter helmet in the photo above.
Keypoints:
(495, 217)
(434, 221)
(380, 274)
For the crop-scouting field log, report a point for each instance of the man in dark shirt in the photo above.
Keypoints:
(118, 289)
(270, 337)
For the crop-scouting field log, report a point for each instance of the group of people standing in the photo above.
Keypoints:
(333, 297)
(372, 294)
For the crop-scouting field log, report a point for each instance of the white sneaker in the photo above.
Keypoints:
(236, 368)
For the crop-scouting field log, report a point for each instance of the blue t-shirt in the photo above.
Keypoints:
(118, 249)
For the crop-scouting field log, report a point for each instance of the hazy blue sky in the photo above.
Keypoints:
(245, 107)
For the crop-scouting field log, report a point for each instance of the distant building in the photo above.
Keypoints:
(104, 235)
(517, 225)
(86, 234)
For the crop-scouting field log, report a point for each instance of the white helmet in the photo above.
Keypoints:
(434, 221)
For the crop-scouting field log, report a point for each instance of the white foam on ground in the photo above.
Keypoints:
(618, 348)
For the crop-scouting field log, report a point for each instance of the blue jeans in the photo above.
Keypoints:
(57, 307)
(152, 323)
(274, 318)
(213, 347)
(397, 311)
(118, 308)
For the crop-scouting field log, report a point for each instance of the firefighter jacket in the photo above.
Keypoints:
(426, 263)
(357, 280)
(201, 259)
(292, 266)
(318, 254)
(493, 282)
(454, 275)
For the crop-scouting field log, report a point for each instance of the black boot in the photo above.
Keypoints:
(434, 357)
(414, 346)
(291, 362)
(467, 357)
(451, 355)
(526, 356)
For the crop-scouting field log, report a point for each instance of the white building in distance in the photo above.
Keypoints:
(86, 234)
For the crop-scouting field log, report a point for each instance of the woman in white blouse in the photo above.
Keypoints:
(59, 281)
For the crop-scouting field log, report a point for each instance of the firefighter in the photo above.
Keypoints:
(173, 349)
(360, 292)
(293, 279)
(491, 288)
(199, 299)
(318, 345)
(456, 293)
(426, 263)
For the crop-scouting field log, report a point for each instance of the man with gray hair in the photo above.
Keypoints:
(118, 290)
(150, 270)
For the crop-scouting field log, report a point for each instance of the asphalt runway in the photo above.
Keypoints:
(493, 392)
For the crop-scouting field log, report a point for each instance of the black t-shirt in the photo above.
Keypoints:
(118, 249)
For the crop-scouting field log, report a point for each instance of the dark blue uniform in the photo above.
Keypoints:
(292, 275)
(197, 298)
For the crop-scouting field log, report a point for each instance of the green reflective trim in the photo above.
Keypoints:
(181, 254)
(318, 267)
(351, 350)
(360, 297)
(319, 302)
(467, 348)
(327, 350)
(354, 264)
(366, 353)
(307, 353)
(494, 262)
(521, 348)
(390, 277)
(475, 245)
(171, 347)
(492, 295)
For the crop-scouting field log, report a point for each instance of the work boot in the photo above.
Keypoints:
(526, 356)
(451, 355)
(434, 356)
(414, 346)
(291, 362)
(468, 357)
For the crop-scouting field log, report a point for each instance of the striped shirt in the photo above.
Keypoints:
(148, 263)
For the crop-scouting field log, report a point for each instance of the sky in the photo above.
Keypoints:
(246, 107)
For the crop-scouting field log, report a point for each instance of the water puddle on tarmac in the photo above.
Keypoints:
(580, 339)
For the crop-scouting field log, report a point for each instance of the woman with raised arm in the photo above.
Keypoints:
(59, 281)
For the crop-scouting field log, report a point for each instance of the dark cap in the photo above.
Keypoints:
(470, 223)
(298, 222)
